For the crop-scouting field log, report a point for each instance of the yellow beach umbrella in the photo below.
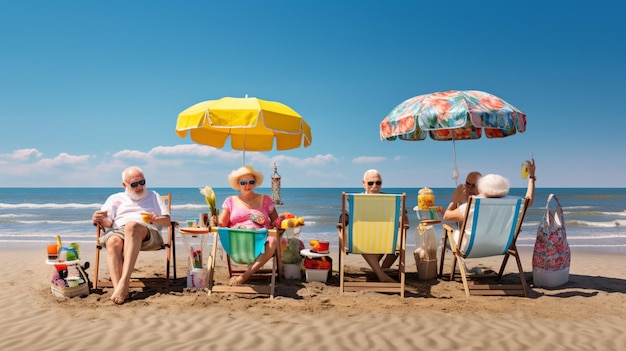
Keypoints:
(252, 125)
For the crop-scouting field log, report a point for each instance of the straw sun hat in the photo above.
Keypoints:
(233, 177)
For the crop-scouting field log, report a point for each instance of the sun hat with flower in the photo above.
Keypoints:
(234, 176)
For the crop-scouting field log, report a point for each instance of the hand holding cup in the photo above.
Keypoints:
(146, 217)
(528, 168)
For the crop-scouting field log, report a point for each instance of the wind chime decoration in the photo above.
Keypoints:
(276, 187)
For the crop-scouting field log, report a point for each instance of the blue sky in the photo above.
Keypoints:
(88, 88)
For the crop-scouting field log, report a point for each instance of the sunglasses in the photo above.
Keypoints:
(378, 182)
(141, 182)
(244, 182)
(470, 185)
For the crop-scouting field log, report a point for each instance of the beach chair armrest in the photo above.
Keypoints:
(447, 228)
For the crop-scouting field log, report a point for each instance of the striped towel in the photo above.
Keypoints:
(242, 245)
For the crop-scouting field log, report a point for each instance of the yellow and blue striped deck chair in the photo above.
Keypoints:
(375, 226)
(242, 246)
(494, 224)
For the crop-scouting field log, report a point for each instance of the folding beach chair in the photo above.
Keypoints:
(494, 224)
(375, 225)
(242, 247)
(168, 246)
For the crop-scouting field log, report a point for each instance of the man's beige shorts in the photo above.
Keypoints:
(154, 241)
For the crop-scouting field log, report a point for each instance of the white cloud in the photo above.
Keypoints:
(130, 154)
(369, 159)
(23, 154)
(317, 160)
(64, 159)
(185, 149)
(195, 151)
(176, 165)
(321, 160)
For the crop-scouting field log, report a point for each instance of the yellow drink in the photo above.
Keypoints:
(524, 170)
(425, 199)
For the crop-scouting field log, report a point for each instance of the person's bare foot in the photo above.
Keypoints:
(236, 280)
(120, 295)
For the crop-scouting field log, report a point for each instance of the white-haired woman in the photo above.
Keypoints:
(491, 185)
(249, 210)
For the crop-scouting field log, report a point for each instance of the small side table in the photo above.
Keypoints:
(195, 241)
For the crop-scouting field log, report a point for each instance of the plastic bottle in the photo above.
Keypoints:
(59, 243)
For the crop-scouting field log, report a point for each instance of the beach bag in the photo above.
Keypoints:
(551, 255)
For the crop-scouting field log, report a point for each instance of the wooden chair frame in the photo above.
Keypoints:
(233, 270)
(511, 250)
(400, 249)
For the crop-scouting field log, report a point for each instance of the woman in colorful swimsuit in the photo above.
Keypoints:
(249, 210)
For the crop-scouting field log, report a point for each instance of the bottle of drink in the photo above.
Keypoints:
(524, 170)
(425, 199)
(59, 243)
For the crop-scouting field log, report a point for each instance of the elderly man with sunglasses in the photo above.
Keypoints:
(372, 184)
(128, 233)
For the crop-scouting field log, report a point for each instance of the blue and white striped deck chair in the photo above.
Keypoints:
(242, 246)
(494, 225)
(375, 226)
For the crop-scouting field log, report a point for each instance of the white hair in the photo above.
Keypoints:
(493, 185)
(129, 170)
(372, 171)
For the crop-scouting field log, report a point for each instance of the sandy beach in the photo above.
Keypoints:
(585, 314)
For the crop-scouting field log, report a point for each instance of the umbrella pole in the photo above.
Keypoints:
(455, 172)
(244, 143)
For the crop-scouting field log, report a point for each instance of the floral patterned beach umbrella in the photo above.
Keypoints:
(453, 115)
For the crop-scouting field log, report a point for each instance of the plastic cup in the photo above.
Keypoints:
(524, 170)
(53, 253)
(76, 247)
(72, 255)
(324, 246)
(146, 217)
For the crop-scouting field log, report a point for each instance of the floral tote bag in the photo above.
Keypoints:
(551, 255)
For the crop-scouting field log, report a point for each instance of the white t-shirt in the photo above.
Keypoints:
(122, 209)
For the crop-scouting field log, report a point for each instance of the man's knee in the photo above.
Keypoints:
(114, 244)
(131, 229)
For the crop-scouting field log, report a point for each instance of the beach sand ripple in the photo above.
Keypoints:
(585, 314)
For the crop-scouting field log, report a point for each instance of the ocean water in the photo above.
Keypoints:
(595, 218)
